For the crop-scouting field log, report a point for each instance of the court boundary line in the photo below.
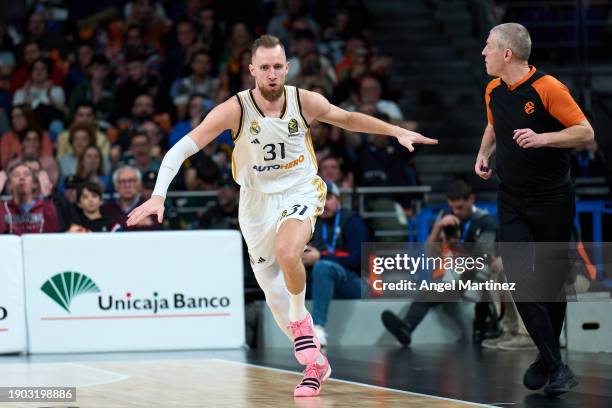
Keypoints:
(377, 387)
(63, 364)
(123, 376)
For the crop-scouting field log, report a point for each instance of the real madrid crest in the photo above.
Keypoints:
(255, 128)
(293, 126)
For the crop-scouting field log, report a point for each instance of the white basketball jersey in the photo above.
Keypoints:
(272, 155)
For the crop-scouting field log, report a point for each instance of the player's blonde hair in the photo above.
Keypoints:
(515, 37)
(266, 41)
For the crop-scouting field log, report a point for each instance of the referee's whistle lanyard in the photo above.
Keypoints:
(336, 231)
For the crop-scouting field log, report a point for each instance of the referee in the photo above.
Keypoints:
(533, 122)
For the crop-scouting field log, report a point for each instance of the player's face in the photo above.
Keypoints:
(269, 68)
(494, 56)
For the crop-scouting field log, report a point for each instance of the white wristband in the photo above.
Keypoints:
(172, 163)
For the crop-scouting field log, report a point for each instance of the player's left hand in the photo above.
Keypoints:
(408, 138)
(527, 138)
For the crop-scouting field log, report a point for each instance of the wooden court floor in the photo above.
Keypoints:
(205, 382)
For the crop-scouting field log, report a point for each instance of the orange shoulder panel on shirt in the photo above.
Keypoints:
(492, 85)
(558, 101)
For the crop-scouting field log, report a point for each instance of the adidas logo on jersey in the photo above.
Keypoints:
(255, 141)
(261, 260)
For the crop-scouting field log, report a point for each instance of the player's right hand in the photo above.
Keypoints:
(153, 206)
(482, 168)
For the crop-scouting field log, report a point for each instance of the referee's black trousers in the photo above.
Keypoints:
(539, 270)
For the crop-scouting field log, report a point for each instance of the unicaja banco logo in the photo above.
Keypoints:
(65, 286)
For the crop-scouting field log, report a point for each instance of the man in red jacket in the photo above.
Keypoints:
(25, 213)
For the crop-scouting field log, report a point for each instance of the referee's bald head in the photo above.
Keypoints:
(515, 37)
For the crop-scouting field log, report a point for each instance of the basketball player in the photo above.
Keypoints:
(281, 195)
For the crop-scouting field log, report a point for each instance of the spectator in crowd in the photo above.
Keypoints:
(96, 89)
(137, 82)
(180, 54)
(152, 17)
(158, 138)
(148, 184)
(328, 141)
(31, 52)
(383, 162)
(8, 64)
(80, 137)
(463, 224)
(89, 201)
(284, 24)
(199, 82)
(31, 148)
(332, 168)
(140, 153)
(45, 186)
(25, 212)
(211, 34)
(37, 30)
(84, 116)
(355, 63)
(143, 111)
(198, 106)
(10, 143)
(136, 44)
(47, 100)
(307, 62)
(224, 215)
(90, 168)
(79, 69)
(127, 181)
(334, 36)
(588, 161)
(334, 256)
(234, 56)
(203, 175)
(370, 93)
(71, 183)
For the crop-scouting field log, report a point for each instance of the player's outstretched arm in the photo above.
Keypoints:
(224, 116)
(317, 107)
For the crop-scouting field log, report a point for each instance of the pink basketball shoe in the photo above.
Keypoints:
(314, 375)
(305, 341)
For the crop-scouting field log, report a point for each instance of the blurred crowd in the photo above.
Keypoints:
(93, 95)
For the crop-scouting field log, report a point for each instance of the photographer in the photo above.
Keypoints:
(463, 230)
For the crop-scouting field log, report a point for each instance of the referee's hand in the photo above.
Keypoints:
(528, 139)
(482, 168)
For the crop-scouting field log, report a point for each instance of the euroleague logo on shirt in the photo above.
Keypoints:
(293, 128)
(529, 108)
